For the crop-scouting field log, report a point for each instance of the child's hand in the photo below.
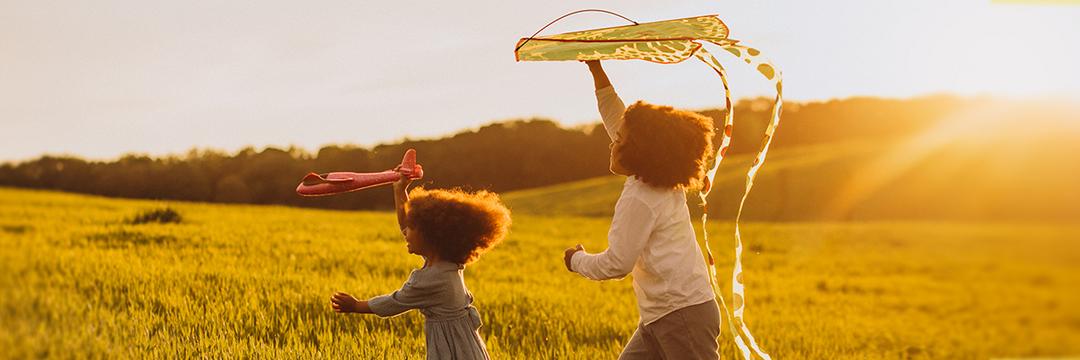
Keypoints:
(344, 303)
(404, 181)
(569, 254)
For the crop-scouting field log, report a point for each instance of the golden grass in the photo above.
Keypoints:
(76, 280)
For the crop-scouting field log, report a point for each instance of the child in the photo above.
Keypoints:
(449, 228)
(663, 152)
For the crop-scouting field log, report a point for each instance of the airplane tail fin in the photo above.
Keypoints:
(409, 165)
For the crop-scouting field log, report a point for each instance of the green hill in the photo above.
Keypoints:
(597, 196)
(868, 180)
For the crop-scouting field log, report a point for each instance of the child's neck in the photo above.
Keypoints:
(431, 259)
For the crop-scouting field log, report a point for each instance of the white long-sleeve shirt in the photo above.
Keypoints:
(651, 238)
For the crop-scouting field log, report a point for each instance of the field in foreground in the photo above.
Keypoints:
(232, 281)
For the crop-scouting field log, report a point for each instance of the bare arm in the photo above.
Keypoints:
(401, 196)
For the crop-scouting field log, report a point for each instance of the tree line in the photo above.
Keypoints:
(502, 156)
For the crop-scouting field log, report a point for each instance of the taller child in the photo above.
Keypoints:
(663, 153)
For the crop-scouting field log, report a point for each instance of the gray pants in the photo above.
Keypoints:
(687, 333)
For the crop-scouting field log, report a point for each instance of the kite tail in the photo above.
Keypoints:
(729, 113)
(750, 56)
(743, 338)
(712, 281)
(725, 141)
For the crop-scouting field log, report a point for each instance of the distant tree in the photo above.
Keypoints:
(232, 189)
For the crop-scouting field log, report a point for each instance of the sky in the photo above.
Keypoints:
(98, 79)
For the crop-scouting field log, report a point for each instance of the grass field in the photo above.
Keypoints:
(77, 280)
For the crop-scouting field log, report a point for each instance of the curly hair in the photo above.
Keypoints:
(459, 226)
(665, 147)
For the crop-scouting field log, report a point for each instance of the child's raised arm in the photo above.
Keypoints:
(600, 79)
(401, 196)
(607, 101)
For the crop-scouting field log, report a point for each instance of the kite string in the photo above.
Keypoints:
(564, 16)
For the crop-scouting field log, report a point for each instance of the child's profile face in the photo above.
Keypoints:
(414, 241)
(615, 167)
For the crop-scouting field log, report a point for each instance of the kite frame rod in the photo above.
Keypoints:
(614, 40)
(568, 14)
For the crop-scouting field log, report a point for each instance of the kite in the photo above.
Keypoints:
(670, 42)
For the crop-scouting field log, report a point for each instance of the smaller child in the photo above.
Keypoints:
(449, 228)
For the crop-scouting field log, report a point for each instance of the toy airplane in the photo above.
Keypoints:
(340, 182)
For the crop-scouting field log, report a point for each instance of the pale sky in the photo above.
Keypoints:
(102, 78)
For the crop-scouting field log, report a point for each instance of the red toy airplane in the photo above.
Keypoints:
(340, 182)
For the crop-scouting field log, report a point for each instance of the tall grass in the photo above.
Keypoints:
(77, 280)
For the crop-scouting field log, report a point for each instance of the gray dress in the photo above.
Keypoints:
(438, 290)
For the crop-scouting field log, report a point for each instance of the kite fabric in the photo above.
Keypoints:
(670, 42)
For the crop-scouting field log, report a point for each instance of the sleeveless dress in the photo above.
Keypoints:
(438, 291)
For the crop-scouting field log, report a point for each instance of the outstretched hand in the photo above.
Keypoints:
(344, 303)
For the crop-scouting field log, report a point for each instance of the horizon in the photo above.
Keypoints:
(144, 81)
(789, 105)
